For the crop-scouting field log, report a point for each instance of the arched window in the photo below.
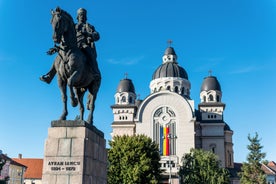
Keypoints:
(164, 130)
(183, 91)
(169, 88)
(204, 98)
(130, 99)
(176, 89)
(218, 100)
(230, 158)
(211, 98)
(123, 99)
(213, 148)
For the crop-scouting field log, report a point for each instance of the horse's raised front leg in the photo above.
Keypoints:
(62, 86)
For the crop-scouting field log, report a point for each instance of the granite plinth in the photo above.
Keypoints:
(74, 153)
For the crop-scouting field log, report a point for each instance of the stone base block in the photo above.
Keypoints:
(74, 153)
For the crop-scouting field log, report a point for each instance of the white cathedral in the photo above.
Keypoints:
(169, 117)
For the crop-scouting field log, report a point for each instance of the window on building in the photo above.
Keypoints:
(213, 148)
(211, 98)
(183, 91)
(164, 130)
(230, 159)
(123, 99)
(176, 89)
(218, 98)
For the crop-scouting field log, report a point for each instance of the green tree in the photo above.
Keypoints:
(251, 172)
(133, 159)
(201, 166)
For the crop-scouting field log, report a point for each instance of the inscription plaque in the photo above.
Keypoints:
(63, 166)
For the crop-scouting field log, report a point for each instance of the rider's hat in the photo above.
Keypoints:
(81, 10)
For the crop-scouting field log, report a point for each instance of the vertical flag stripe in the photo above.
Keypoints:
(166, 144)
(161, 137)
(168, 141)
(164, 141)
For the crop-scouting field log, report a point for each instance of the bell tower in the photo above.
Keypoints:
(124, 109)
(216, 135)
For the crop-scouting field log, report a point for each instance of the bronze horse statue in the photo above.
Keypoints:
(73, 67)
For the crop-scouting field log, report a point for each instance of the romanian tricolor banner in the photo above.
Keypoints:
(164, 141)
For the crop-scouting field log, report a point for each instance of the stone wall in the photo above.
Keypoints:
(75, 153)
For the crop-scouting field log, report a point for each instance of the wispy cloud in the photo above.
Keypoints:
(214, 59)
(246, 69)
(206, 64)
(5, 58)
(126, 61)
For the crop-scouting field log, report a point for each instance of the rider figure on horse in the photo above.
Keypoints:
(86, 36)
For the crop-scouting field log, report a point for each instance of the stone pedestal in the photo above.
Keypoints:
(74, 153)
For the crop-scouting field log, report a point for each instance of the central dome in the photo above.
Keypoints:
(169, 68)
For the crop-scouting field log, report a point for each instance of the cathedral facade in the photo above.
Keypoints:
(168, 115)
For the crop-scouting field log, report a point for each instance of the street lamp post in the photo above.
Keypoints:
(170, 137)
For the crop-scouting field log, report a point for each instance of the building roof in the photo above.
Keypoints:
(234, 171)
(270, 168)
(12, 161)
(35, 165)
(170, 69)
(169, 51)
(210, 83)
(125, 85)
(271, 164)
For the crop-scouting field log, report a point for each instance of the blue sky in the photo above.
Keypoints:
(235, 39)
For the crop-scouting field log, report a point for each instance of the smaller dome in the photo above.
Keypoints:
(210, 83)
(125, 85)
(170, 51)
(227, 127)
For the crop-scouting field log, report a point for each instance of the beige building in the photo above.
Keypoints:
(12, 170)
(168, 115)
(33, 174)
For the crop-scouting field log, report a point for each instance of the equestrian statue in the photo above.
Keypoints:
(76, 60)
